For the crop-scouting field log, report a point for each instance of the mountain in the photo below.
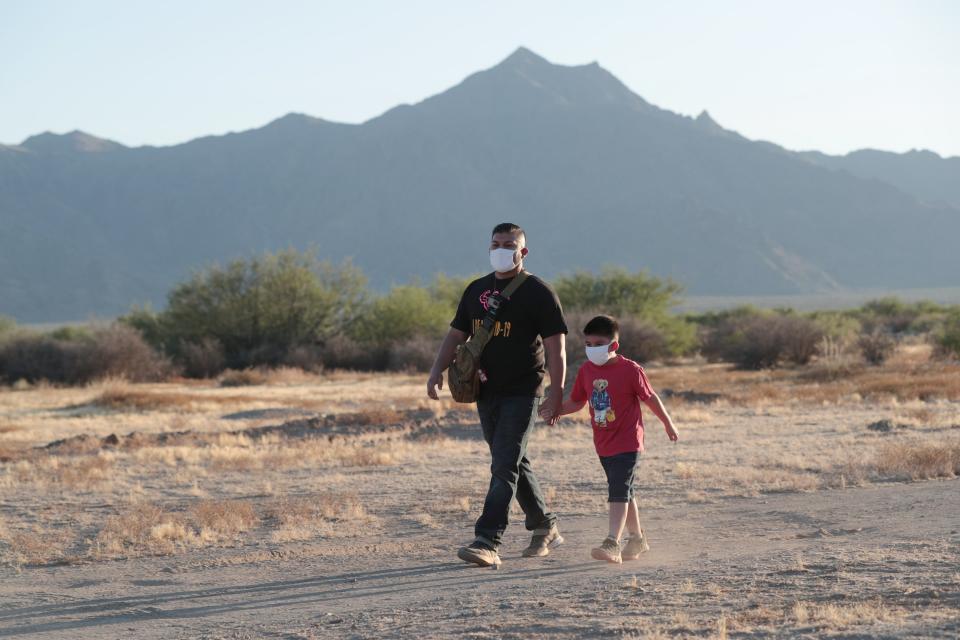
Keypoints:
(596, 174)
(922, 173)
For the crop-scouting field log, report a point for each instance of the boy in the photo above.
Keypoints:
(615, 386)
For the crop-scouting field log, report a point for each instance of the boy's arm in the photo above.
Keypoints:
(656, 405)
(571, 406)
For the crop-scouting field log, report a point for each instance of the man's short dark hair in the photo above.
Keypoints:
(509, 227)
(605, 326)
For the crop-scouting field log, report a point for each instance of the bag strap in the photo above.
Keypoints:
(496, 300)
(494, 304)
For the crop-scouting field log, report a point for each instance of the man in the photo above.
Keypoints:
(512, 370)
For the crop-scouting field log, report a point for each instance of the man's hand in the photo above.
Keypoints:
(672, 432)
(550, 409)
(434, 382)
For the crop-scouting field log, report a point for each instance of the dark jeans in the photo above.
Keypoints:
(507, 422)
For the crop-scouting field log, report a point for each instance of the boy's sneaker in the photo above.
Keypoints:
(542, 541)
(480, 554)
(609, 550)
(635, 546)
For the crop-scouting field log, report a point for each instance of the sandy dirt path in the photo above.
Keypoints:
(881, 561)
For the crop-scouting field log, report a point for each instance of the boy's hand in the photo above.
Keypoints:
(672, 432)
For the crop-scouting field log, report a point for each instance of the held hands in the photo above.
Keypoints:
(434, 382)
(550, 409)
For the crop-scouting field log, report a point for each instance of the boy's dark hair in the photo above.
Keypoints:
(509, 227)
(605, 326)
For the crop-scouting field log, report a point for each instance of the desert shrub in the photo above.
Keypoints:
(894, 316)
(617, 291)
(448, 289)
(800, 337)
(639, 340)
(202, 359)
(947, 339)
(756, 340)
(119, 351)
(258, 310)
(72, 333)
(305, 357)
(721, 332)
(7, 326)
(243, 378)
(876, 346)
(406, 311)
(343, 352)
(34, 357)
(413, 354)
(639, 301)
(841, 326)
(113, 351)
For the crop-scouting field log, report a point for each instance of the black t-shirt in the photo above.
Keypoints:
(513, 359)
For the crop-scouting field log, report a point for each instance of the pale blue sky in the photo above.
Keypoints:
(834, 76)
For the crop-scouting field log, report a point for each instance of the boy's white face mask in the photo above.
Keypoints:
(502, 260)
(599, 355)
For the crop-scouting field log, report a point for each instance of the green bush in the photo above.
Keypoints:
(257, 311)
(406, 312)
(7, 326)
(636, 299)
(892, 315)
(947, 338)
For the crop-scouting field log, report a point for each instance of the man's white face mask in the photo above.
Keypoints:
(502, 260)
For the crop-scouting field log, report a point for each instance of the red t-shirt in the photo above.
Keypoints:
(614, 392)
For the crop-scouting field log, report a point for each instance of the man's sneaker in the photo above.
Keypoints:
(609, 550)
(479, 554)
(635, 546)
(542, 541)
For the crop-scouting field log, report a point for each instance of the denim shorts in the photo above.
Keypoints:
(620, 469)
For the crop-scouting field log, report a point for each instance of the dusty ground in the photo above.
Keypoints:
(807, 503)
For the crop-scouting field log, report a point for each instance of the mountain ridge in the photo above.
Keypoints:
(595, 173)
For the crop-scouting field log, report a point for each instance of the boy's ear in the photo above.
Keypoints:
(614, 345)
(524, 252)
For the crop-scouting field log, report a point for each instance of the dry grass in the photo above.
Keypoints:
(840, 616)
(919, 461)
(150, 529)
(910, 375)
(223, 517)
(66, 473)
(380, 415)
(324, 514)
(39, 546)
(183, 485)
(126, 399)
(243, 378)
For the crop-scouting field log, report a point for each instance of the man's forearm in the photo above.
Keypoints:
(556, 363)
(448, 349)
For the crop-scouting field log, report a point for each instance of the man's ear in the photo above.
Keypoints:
(524, 252)
(614, 345)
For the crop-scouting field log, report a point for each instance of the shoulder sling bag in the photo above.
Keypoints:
(463, 376)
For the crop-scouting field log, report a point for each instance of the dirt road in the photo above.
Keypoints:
(882, 561)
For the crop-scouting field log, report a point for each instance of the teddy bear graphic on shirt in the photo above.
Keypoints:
(600, 403)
